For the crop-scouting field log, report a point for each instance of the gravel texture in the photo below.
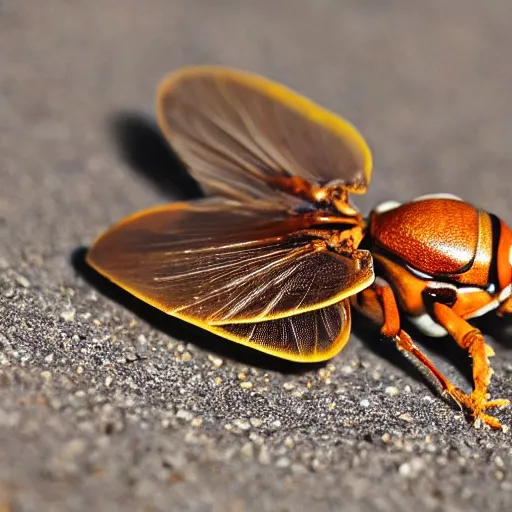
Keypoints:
(107, 404)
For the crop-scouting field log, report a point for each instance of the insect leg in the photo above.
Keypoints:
(391, 329)
(472, 340)
(379, 304)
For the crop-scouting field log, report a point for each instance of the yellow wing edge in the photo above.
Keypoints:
(293, 100)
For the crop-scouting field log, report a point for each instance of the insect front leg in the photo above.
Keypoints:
(379, 304)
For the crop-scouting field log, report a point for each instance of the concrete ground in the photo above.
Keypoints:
(106, 404)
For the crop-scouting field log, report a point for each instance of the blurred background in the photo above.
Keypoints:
(427, 83)
(428, 86)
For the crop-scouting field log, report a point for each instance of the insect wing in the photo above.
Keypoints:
(220, 262)
(307, 337)
(245, 137)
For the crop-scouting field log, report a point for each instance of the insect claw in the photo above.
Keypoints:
(498, 402)
(489, 351)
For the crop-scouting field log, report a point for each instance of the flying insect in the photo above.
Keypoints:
(276, 255)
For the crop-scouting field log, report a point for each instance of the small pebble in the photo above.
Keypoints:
(406, 417)
(182, 414)
(391, 390)
(68, 315)
(196, 422)
(324, 373)
(288, 442)
(186, 356)
(242, 424)
(364, 403)
(22, 281)
(246, 385)
(216, 361)
(347, 370)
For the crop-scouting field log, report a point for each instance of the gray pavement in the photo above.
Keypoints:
(107, 404)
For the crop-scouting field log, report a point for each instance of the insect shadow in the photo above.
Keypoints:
(500, 329)
(142, 146)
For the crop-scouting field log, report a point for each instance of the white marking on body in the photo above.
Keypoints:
(381, 282)
(441, 195)
(491, 289)
(417, 273)
(464, 290)
(437, 285)
(483, 310)
(427, 326)
(469, 289)
(505, 293)
(386, 206)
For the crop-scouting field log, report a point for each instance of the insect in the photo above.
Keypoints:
(276, 255)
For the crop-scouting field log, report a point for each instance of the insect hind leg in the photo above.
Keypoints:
(379, 303)
(472, 340)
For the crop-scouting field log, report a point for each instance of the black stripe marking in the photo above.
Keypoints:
(493, 267)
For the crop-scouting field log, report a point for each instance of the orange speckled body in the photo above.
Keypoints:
(435, 236)
(442, 241)
(440, 261)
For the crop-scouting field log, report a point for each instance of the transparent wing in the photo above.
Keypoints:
(308, 337)
(214, 263)
(245, 137)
